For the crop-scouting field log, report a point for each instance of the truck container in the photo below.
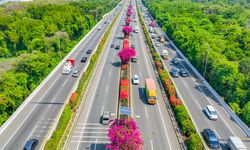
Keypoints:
(69, 65)
(161, 38)
(235, 143)
(150, 89)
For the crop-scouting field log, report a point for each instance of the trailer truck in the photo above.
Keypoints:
(69, 65)
(150, 90)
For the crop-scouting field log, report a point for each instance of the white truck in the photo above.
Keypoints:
(151, 30)
(235, 143)
(68, 67)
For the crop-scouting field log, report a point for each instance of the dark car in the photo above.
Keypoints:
(175, 61)
(84, 59)
(183, 72)
(89, 51)
(211, 139)
(112, 45)
(31, 144)
(175, 73)
(117, 47)
(133, 46)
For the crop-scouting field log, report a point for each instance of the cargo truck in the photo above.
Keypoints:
(69, 65)
(150, 90)
(235, 143)
(161, 38)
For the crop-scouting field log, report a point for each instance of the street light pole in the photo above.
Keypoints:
(204, 73)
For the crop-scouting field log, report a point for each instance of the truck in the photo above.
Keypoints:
(235, 143)
(69, 65)
(150, 90)
(161, 38)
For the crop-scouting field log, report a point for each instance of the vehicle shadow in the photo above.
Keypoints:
(116, 64)
(97, 146)
(142, 95)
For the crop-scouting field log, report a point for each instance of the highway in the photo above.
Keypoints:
(153, 120)
(196, 96)
(34, 119)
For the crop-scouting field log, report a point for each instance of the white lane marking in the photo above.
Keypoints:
(109, 72)
(146, 112)
(84, 127)
(137, 116)
(209, 101)
(112, 114)
(87, 136)
(64, 83)
(95, 144)
(191, 94)
(52, 102)
(29, 113)
(32, 132)
(90, 141)
(140, 73)
(107, 88)
(164, 126)
(151, 143)
(90, 132)
(40, 131)
(102, 110)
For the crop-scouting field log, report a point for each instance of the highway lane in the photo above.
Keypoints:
(153, 120)
(35, 118)
(196, 97)
(88, 131)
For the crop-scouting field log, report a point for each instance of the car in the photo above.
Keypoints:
(84, 59)
(175, 61)
(153, 36)
(31, 144)
(175, 73)
(89, 51)
(106, 117)
(76, 73)
(157, 44)
(99, 28)
(211, 112)
(183, 72)
(165, 54)
(133, 46)
(117, 47)
(135, 79)
(211, 139)
(112, 45)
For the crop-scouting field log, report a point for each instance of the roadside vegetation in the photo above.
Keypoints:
(38, 36)
(219, 32)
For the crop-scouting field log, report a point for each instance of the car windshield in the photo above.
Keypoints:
(213, 139)
(213, 112)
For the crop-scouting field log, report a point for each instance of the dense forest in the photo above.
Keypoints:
(218, 30)
(37, 36)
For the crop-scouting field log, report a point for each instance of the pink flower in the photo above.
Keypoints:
(126, 54)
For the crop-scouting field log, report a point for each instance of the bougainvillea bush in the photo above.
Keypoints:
(126, 54)
(124, 135)
(127, 29)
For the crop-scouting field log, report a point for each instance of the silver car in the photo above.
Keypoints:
(106, 117)
(211, 112)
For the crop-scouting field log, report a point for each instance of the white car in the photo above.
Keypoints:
(157, 44)
(211, 112)
(135, 79)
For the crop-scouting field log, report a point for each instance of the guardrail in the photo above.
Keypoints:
(172, 116)
(53, 127)
(242, 125)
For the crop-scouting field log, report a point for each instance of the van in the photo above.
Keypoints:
(165, 54)
(106, 117)
(235, 143)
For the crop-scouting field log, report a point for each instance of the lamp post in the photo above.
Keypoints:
(205, 68)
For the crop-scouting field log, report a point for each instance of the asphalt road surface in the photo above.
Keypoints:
(36, 118)
(153, 120)
(196, 96)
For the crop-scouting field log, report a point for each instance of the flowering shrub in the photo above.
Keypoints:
(124, 82)
(127, 29)
(126, 54)
(124, 94)
(124, 135)
(127, 21)
(124, 66)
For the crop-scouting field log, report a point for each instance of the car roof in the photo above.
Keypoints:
(210, 108)
(30, 142)
(106, 114)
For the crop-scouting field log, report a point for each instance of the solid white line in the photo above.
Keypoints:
(95, 144)
(109, 72)
(146, 112)
(29, 114)
(151, 143)
(164, 126)
(32, 132)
